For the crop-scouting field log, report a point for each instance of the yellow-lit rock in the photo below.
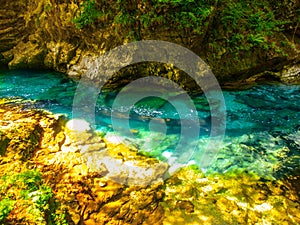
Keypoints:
(31, 139)
(232, 198)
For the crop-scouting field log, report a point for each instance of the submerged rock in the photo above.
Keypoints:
(230, 198)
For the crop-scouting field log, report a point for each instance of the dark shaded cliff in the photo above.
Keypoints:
(42, 34)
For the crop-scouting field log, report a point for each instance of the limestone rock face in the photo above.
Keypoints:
(291, 74)
(12, 25)
(60, 55)
(28, 55)
(40, 34)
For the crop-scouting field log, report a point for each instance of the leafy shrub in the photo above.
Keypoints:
(88, 15)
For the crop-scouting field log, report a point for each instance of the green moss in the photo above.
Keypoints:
(6, 206)
(27, 191)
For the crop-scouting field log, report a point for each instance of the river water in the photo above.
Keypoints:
(262, 123)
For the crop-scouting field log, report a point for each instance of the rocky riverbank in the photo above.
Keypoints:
(38, 140)
(79, 188)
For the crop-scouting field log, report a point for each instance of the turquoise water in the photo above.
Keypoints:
(262, 123)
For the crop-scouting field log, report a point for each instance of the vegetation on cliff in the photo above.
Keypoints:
(232, 25)
(238, 39)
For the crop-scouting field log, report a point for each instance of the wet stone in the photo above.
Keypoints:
(186, 206)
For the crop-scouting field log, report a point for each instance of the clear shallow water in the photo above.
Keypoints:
(262, 123)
